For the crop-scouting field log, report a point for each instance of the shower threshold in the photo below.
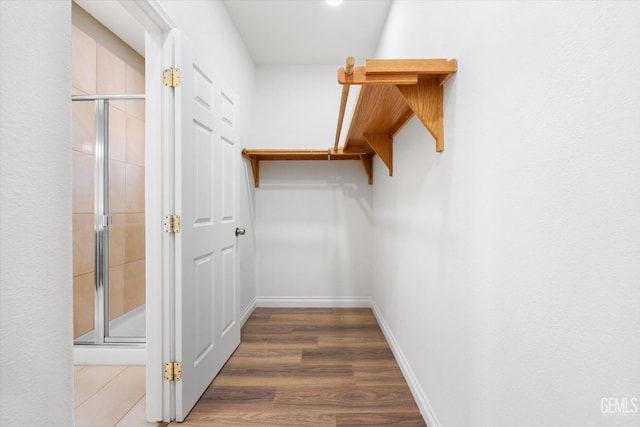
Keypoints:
(131, 324)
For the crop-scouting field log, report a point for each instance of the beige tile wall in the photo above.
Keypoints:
(96, 69)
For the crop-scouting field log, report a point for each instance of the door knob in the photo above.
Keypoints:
(240, 231)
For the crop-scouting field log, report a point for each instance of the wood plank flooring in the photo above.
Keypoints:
(309, 367)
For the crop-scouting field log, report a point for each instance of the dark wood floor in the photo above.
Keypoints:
(309, 367)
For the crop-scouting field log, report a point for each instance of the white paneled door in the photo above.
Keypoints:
(207, 293)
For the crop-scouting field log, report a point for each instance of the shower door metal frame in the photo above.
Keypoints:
(103, 220)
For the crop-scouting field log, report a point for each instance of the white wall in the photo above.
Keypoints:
(507, 267)
(296, 106)
(36, 382)
(209, 27)
(313, 219)
(36, 287)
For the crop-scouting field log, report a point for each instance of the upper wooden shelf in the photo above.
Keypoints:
(392, 91)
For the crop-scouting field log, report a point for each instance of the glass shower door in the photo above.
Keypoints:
(116, 313)
(126, 289)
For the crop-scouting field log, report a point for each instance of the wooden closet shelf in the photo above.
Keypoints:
(256, 156)
(391, 92)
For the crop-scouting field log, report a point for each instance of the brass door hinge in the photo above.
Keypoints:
(171, 77)
(171, 224)
(172, 371)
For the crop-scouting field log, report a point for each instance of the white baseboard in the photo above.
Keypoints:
(312, 302)
(418, 394)
(247, 312)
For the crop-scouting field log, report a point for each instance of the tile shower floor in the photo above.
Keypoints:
(108, 396)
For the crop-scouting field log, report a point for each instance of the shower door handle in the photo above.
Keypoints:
(104, 221)
(240, 231)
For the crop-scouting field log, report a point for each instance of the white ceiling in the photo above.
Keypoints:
(288, 32)
(279, 32)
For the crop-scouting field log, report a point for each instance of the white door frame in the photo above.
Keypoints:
(158, 202)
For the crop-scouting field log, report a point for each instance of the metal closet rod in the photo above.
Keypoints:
(107, 97)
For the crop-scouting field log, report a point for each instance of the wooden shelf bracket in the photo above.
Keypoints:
(425, 99)
(367, 161)
(382, 145)
(391, 92)
(255, 168)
